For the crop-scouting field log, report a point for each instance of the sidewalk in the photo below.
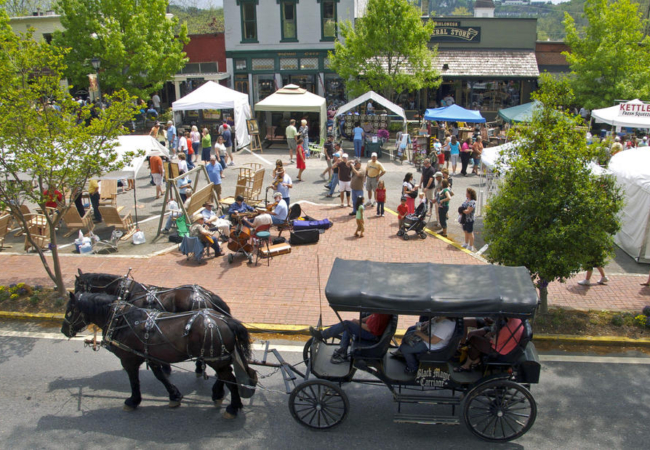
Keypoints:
(288, 291)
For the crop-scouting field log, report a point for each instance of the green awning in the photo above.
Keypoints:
(521, 113)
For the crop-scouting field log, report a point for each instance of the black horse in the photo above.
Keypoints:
(188, 297)
(136, 335)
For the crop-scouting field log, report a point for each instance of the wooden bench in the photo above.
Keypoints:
(198, 198)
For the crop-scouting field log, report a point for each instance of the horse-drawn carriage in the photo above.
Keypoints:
(493, 400)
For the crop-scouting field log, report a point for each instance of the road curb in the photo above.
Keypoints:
(263, 328)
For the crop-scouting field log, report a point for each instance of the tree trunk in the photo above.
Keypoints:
(56, 263)
(543, 296)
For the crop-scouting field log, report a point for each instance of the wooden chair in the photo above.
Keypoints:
(4, 228)
(40, 232)
(24, 210)
(75, 222)
(112, 218)
(108, 193)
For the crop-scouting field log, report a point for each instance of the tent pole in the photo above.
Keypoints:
(135, 204)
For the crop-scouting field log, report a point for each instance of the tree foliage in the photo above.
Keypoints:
(610, 57)
(133, 39)
(552, 214)
(17, 8)
(386, 50)
(42, 144)
(461, 11)
(197, 20)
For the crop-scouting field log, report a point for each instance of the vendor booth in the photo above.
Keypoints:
(454, 113)
(213, 96)
(634, 114)
(632, 171)
(293, 99)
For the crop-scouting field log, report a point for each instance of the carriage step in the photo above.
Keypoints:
(425, 420)
(427, 399)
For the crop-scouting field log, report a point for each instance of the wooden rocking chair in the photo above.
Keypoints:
(4, 228)
(75, 222)
(112, 218)
(108, 193)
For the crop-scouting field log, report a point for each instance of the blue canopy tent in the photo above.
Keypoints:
(453, 113)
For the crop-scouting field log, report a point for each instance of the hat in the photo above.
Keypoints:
(277, 194)
(225, 126)
(345, 155)
(337, 154)
(206, 204)
(197, 216)
(188, 191)
(438, 174)
(373, 154)
(617, 139)
(403, 198)
(169, 122)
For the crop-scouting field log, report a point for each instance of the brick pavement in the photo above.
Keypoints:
(287, 292)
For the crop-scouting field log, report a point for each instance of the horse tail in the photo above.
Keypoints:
(242, 338)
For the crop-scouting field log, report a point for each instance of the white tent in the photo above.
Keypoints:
(212, 95)
(634, 114)
(372, 96)
(632, 171)
(134, 144)
(292, 98)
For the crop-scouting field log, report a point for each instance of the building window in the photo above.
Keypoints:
(328, 19)
(288, 63)
(308, 63)
(289, 25)
(241, 83)
(240, 64)
(263, 64)
(248, 10)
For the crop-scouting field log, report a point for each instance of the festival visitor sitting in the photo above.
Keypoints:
(209, 215)
(281, 210)
(369, 329)
(174, 213)
(486, 342)
(432, 336)
(206, 236)
(239, 207)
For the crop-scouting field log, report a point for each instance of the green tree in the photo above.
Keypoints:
(386, 50)
(610, 57)
(461, 11)
(17, 8)
(133, 39)
(198, 21)
(42, 145)
(552, 214)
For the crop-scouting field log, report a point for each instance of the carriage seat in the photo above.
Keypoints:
(527, 336)
(445, 355)
(376, 350)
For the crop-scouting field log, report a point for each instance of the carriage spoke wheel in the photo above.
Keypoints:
(499, 410)
(318, 404)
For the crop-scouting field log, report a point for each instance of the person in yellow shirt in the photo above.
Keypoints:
(374, 171)
(93, 190)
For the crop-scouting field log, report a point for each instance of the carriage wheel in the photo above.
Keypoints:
(318, 404)
(499, 410)
(306, 351)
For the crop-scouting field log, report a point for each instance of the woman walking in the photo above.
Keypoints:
(300, 158)
(409, 190)
(465, 155)
(304, 134)
(206, 145)
(195, 136)
(468, 209)
(443, 206)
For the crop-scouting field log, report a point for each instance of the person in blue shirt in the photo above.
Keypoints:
(281, 210)
(359, 134)
(239, 207)
(215, 172)
(227, 141)
(171, 135)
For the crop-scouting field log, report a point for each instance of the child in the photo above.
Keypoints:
(380, 195)
(423, 200)
(402, 211)
(360, 208)
(300, 158)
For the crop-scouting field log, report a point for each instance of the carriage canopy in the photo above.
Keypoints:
(437, 289)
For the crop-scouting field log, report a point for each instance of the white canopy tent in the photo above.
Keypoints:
(292, 98)
(632, 171)
(634, 114)
(212, 95)
(134, 144)
(374, 97)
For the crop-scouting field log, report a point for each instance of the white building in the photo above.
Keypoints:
(272, 43)
(484, 8)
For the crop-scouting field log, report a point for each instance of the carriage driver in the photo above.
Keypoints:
(370, 329)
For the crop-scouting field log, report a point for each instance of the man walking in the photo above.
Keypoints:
(171, 136)
(227, 141)
(374, 171)
(427, 182)
(290, 133)
(345, 177)
(215, 172)
(356, 184)
(329, 152)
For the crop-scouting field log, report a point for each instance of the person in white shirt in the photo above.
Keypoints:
(182, 142)
(429, 336)
(220, 151)
(281, 210)
(155, 99)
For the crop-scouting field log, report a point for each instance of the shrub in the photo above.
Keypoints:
(646, 310)
(59, 302)
(33, 300)
(641, 320)
(617, 320)
(14, 296)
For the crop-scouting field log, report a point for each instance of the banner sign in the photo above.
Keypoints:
(452, 32)
(634, 110)
(93, 87)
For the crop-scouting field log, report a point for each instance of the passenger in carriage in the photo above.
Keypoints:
(432, 336)
(483, 342)
(369, 329)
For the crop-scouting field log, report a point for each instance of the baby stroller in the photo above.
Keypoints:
(415, 222)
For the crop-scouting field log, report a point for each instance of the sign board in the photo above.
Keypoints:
(450, 31)
(633, 110)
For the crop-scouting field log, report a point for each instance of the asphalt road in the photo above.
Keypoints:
(56, 394)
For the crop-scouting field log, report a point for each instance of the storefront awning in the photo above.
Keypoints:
(487, 64)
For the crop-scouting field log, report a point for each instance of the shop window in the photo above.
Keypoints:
(328, 19)
(240, 64)
(263, 64)
(288, 63)
(209, 67)
(491, 95)
(248, 11)
(191, 68)
(264, 86)
(289, 25)
(241, 84)
(309, 64)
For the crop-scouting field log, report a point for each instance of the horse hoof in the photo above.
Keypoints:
(217, 403)
(227, 415)
(174, 404)
(128, 408)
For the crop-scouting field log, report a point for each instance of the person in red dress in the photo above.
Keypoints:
(300, 158)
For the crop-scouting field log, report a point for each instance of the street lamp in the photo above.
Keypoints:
(96, 63)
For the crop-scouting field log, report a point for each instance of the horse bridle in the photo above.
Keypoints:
(79, 317)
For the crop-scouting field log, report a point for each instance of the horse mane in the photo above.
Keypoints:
(242, 337)
(95, 303)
